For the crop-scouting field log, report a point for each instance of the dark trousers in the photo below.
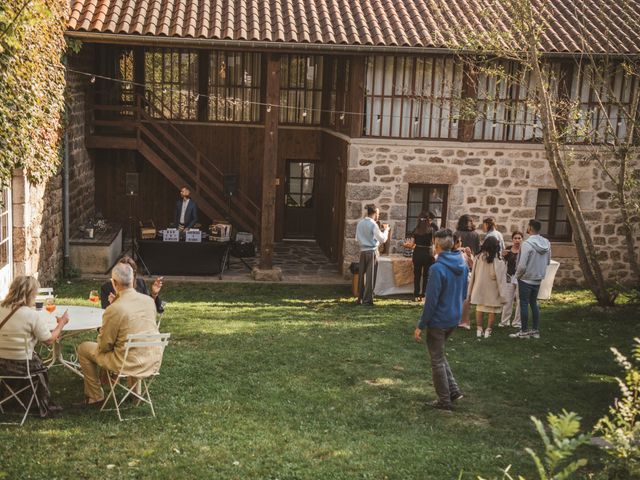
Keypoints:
(422, 260)
(528, 294)
(368, 270)
(443, 381)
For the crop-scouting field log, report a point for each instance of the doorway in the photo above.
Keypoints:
(6, 247)
(300, 200)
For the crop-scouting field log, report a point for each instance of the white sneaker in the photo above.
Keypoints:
(487, 333)
(502, 325)
(520, 334)
(479, 332)
(535, 334)
(517, 325)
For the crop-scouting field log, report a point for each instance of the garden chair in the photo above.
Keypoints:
(159, 315)
(18, 344)
(117, 380)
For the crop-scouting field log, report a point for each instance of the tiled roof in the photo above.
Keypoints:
(608, 25)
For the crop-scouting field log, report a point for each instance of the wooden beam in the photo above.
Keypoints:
(270, 161)
(138, 70)
(356, 95)
(203, 86)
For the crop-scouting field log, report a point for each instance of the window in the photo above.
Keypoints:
(5, 227)
(234, 87)
(426, 198)
(171, 77)
(300, 89)
(299, 189)
(552, 215)
(506, 100)
(338, 104)
(412, 97)
(601, 96)
(125, 73)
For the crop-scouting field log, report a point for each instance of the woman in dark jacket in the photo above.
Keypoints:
(466, 231)
(422, 237)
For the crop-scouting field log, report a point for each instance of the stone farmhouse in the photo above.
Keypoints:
(317, 108)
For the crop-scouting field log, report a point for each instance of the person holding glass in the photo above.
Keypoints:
(108, 293)
(18, 317)
(423, 255)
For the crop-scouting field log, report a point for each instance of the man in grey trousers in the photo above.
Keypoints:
(444, 296)
(369, 237)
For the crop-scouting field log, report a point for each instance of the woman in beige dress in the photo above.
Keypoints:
(487, 285)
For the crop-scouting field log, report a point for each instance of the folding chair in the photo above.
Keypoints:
(44, 293)
(159, 315)
(135, 340)
(18, 344)
(45, 351)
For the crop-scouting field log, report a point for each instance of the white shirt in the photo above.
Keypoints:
(185, 202)
(25, 321)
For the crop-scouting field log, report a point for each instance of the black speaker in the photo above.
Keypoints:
(230, 184)
(132, 183)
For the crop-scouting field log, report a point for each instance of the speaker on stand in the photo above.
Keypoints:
(132, 190)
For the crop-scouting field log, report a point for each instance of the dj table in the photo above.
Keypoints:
(184, 258)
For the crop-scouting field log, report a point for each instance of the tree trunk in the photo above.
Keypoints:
(587, 255)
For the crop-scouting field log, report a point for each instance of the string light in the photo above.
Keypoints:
(233, 102)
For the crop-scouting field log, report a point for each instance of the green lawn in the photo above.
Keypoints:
(293, 382)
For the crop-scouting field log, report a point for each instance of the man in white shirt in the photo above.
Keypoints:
(369, 237)
(186, 209)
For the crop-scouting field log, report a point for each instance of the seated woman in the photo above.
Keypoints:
(16, 317)
(108, 294)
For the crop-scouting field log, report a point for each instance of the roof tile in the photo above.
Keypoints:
(571, 25)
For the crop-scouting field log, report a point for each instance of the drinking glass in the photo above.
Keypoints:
(93, 296)
(50, 304)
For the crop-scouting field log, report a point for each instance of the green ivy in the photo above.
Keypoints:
(31, 87)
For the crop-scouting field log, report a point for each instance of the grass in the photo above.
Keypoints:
(295, 382)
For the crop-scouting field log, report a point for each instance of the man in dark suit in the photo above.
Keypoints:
(186, 210)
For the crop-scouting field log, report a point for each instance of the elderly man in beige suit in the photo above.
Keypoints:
(130, 312)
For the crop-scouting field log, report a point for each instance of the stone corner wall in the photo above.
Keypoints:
(37, 228)
(499, 180)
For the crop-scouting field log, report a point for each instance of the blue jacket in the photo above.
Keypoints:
(190, 215)
(446, 291)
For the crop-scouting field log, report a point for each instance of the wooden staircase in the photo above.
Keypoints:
(143, 127)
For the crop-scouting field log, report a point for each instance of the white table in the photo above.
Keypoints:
(385, 283)
(81, 319)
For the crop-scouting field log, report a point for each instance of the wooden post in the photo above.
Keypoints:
(203, 86)
(270, 162)
(466, 126)
(356, 95)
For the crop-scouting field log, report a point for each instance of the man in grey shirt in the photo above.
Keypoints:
(369, 237)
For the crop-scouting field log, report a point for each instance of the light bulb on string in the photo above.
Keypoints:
(379, 118)
(304, 113)
(268, 108)
(342, 116)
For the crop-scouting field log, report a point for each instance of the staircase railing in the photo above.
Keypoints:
(156, 135)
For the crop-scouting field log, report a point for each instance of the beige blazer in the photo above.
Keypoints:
(131, 312)
(488, 283)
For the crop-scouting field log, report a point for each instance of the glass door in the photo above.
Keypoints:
(6, 251)
(300, 201)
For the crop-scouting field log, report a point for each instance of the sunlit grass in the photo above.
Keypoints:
(293, 382)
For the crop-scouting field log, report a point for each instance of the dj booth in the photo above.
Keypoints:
(184, 258)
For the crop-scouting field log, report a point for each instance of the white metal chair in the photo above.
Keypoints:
(18, 344)
(159, 315)
(44, 293)
(135, 340)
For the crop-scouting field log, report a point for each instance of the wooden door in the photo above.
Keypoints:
(300, 199)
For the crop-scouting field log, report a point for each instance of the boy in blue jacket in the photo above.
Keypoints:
(445, 293)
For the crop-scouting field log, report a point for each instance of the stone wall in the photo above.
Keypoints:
(81, 164)
(37, 228)
(485, 179)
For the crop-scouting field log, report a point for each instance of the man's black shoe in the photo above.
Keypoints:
(456, 396)
(441, 406)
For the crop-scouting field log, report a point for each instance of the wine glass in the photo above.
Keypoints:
(50, 304)
(93, 296)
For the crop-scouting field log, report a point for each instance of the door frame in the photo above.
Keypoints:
(314, 191)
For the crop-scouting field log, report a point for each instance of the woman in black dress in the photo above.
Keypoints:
(422, 237)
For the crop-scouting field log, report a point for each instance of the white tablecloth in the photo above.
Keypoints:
(80, 318)
(385, 284)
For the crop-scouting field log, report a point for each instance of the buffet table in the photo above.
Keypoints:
(395, 275)
(184, 258)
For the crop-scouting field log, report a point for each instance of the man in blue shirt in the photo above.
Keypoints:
(445, 294)
(369, 237)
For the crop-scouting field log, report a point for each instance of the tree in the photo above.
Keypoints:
(517, 37)
(31, 87)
